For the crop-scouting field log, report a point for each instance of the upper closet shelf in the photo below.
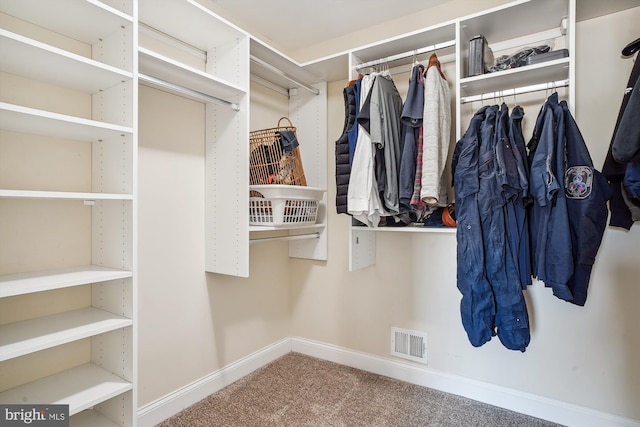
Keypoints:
(277, 68)
(26, 283)
(189, 22)
(515, 19)
(168, 70)
(413, 55)
(35, 60)
(546, 72)
(99, 20)
(17, 118)
(431, 39)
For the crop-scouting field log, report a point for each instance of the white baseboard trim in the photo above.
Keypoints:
(159, 410)
(552, 410)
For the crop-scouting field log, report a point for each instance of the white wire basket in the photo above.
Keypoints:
(283, 205)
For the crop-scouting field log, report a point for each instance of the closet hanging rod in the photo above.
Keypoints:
(515, 91)
(172, 41)
(186, 91)
(296, 237)
(281, 73)
(269, 85)
(403, 55)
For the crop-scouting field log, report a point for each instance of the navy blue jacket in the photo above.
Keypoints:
(569, 213)
(587, 194)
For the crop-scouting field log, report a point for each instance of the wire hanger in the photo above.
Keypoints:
(546, 91)
(631, 48)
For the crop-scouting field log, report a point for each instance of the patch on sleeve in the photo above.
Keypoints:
(578, 182)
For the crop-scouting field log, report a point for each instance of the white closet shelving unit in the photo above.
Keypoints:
(398, 54)
(210, 60)
(207, 60)
(100, 389)
(546, 21)
(308, 112)
(507, 28)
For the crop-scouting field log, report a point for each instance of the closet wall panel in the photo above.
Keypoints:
(206, 321)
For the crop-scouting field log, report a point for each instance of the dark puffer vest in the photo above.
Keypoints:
(343, 164)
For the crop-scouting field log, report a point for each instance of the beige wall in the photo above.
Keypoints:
(581, 355)
(192, 323)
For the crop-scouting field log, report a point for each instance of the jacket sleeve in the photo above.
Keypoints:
(626, 144)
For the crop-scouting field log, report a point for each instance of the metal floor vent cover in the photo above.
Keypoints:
(409, 344)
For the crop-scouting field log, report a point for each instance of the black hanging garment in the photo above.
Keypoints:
(343, 166)
(615, 165)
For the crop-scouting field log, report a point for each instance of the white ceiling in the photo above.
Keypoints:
(294, 24)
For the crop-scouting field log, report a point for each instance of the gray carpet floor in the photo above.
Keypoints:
(301, 391)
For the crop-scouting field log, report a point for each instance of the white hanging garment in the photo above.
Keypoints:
(436, 132)
(363, 201)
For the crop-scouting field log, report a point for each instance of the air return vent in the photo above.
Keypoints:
(409, 344)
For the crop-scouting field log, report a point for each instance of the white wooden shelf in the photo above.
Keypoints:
(167, 69)
(312, 228)
(517, 77)
(29, 336)
(195, 25)
(90, 21)
(35, 60)
(275, 68)
(25, 283)
(414, 228)
(515, 19)
(61, 195)
(90, 418)
(434, 35)
(17, 118)
(81, 388)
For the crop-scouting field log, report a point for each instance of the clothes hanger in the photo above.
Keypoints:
(351, 82)
(546, 91)
(434, 61)
(631, 48)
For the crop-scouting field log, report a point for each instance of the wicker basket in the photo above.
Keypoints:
(269, 163)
